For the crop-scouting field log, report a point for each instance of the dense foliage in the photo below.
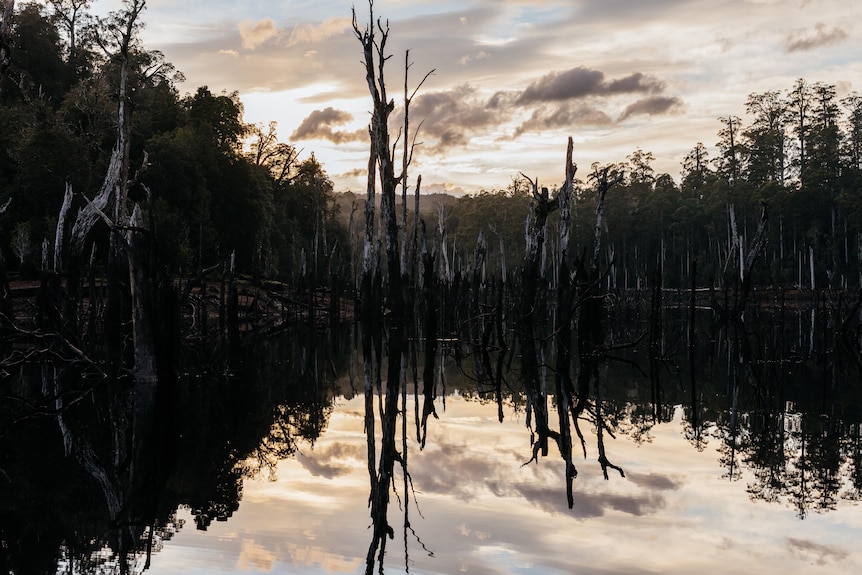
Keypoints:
(218, 185)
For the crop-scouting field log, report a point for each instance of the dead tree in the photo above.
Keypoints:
(373, 39)
(373, 47)
(540, 207)
(564, 318)
(108, 207)
(129, 247)
(757, 246)
(374, 51)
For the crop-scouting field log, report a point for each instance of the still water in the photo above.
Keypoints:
(747, 463)
(477, 509)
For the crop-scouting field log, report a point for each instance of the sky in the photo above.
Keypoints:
(512, 79)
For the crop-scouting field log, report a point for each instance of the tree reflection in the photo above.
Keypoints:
(81, 489)
(87, 491)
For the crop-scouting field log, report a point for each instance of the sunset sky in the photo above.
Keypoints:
(513, 78)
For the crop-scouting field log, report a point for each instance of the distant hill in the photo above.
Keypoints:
(428, 204)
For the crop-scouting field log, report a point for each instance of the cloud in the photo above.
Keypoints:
(652, 106)
(803, 40)
(453, 116)
(254, 556)
(574, 98)
(330, 462)
(634, 83)
(549, 118)
(255, 34)
(582, 82)
(454, 472)
(575, 83)
(590, 505)
(309, 34)
(805, 549)
(655, 481)
(318, 126)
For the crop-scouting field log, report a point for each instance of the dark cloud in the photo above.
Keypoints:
(502, 100)
(581, 82)
(637, 506)
(575, 83)
(548, 118)
(654, 481)
(809, 550)
(589, 505)
(318, 126)
(453, 116)
(652, 106)
(633, 83)
(803, 40)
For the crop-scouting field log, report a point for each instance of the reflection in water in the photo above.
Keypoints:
(84, 491)
(93, 483)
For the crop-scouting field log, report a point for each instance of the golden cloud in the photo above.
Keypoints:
(254, 34)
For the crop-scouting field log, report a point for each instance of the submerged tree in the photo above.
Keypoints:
(373, 39)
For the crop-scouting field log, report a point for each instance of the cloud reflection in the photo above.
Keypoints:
(253, 556)
(479, 511)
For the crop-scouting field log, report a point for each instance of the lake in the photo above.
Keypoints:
(745, 459)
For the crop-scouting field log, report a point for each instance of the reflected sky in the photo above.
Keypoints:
(477, 509)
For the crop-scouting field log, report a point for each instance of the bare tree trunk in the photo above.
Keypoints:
(540, 207)
(757, 246)
(405, 160)
(61, 223)
(415, 247)
(374, 52)
(562, 378)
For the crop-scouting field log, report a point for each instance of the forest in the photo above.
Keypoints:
(149, 240)
(218, 185)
